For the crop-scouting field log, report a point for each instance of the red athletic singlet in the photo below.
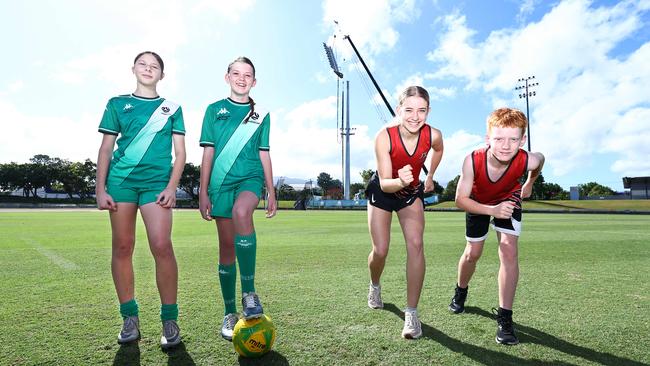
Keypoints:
(399, 157)
(507, 187)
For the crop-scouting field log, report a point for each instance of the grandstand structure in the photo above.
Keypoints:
(639, 187)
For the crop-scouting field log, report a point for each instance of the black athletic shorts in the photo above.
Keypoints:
(392, 201)
(477, 226)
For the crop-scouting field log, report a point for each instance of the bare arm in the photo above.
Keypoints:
(438, 148)
(265, 157)
(205, 206)
(464, 189)
(385, 166)
(167, 198)
(535, 165)
(104, 200)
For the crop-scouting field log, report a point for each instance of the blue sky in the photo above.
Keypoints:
(591, 116)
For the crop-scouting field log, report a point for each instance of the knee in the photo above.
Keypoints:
(123, 247)
(162, 248)
(508, 252)
(472, 254)
(415, 247)
(380, 252)
(241, 213)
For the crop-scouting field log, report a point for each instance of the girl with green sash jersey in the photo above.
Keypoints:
(140, 175)
(235, 167)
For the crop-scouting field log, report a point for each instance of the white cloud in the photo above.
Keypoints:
(305, 142)
(525, 9)
(370, 23)
(585, 93)
(457, 147)
(76, 141)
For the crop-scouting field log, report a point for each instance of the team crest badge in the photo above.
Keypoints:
(255, 116)
(128, 107)
(165, 110)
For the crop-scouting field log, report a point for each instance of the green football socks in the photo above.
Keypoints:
(245, 249)
(168, 312)
(228, 279)
(129, 308)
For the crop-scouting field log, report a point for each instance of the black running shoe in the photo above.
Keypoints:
(457, 305)
(505, 329)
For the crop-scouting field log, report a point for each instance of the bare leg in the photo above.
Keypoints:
(411, 219)
(379, 225)
(467, 262)
(158, 222)
(508, 270)
(242, 212)
(123, 229)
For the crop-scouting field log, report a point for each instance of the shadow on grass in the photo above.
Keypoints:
(271, 358)
(532, 335)
(127, 355)
(178, 356)
(476, 353)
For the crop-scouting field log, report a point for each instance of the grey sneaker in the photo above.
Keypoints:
(171, 334)
(228, 326)
(412, 327)
(130, 330)
(252, 307)
(374, 297)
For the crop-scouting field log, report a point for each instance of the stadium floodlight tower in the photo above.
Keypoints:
(345, 125)
(527, 93)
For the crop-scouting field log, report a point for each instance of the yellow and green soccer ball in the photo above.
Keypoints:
(253, 337)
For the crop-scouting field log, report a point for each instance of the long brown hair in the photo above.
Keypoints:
(251, 103)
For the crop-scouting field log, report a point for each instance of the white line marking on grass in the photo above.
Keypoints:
(52, 256)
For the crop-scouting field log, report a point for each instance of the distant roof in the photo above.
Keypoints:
(628, 181)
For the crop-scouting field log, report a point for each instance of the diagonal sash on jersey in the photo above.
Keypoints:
(228, 155)
(141, 142)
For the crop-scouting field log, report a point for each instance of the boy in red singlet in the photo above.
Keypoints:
(489, 186)
(401, 151)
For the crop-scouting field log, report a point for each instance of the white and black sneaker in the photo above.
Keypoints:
(228, 326)
(505, 329)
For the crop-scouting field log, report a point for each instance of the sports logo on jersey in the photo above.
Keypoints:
(424, 156)
(223, 114)
(165, 110)
(128, 107)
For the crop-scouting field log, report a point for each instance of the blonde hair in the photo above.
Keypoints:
(413, 91)
(507, 117)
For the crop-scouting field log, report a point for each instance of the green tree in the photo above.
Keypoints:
(593, 189)
(324, 181)
(75, 178)
(287, 192)
(554, 191)
(366, 175)
(449, 193)
(189, 182)
(357, 188)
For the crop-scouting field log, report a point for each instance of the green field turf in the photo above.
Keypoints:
(583, 296)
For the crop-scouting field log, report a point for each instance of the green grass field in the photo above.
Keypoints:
(583, 296)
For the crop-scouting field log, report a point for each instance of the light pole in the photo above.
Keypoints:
(526, 94)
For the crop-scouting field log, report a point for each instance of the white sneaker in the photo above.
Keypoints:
(412, 327)
(374, 297)
(228, 326)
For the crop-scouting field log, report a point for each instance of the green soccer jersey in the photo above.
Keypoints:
(236, 144)
(145, 127)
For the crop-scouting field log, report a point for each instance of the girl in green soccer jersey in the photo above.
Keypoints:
(236, 165)
(140, 175)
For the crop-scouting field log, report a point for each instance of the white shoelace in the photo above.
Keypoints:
(250, 301)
